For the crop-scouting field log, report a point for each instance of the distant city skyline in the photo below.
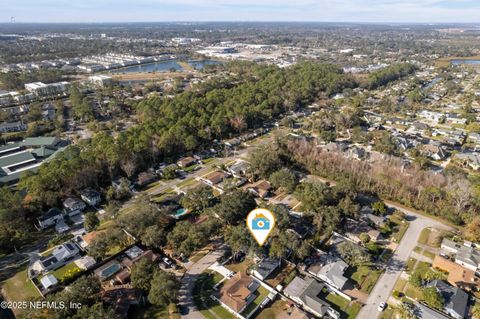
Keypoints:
(421, 11)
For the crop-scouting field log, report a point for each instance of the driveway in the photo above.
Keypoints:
(188, 281)
(393, 270)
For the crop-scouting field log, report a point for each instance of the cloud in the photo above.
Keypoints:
(243, 10)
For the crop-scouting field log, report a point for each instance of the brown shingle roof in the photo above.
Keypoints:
(457, 275)
(235, 292)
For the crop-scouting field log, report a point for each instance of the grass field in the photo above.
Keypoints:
(273, 310)
(262, 294)
(63, 272)
(19, 287)
(365, 277)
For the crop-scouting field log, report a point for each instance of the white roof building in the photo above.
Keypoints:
(48, 281)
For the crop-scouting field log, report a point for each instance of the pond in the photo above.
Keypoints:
(459, 62)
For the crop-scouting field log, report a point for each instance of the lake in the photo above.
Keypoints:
(163, 66)
(458, 62)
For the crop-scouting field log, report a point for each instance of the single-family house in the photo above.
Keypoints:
(232, 142)
(215, 178)
(186, 161)
(238, 292)
(329, 269)
(300, 227)
(471, 159)
(354, 228)
(261, 188)
(50, 218)
(264, 268)
(465, 255)
(455, 118)
(91, 196)
(239, 169)
(455, 299)
(61, 227)
(435, 152)
(121, 299)
(85, 263)
(73, 206)
(58, 257)
(306, 291)
(458, 275)
(145, 178)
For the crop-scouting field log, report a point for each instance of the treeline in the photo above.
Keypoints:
(450, 196)
(389, 74)
(17, 80)
(171, 127)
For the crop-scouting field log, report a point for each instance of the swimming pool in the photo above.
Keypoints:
(181, 212)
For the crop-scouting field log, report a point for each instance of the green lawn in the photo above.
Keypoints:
(66, 271)
(273, 310)
(365, 277)
(418, 249)
(429, 254)
(410, 264)
(399, 231)
(348, 309)
(423, 266)
(423, 239)
(19, 287)
(262, 294)
(187, 182)
(400, 285)
(413, 292)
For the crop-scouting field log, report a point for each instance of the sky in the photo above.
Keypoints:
(426, 11)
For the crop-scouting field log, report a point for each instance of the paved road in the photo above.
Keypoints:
(188, 281)
(386, 282)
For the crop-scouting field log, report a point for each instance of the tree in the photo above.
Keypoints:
(234, 206)
(352, 254)
(284, 178)
(169, 172)
(198, 198)
(379, 208)
(154, 236)
(264, 161)
(238, 239)
(406, 311)
(476, 311)
(91, 221)
(164, 288)
(472, 230)
(416, 278)
(433, 298)
(142, 274)
(364, 237)
(97, 310)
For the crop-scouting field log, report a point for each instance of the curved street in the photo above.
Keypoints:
(395, 265)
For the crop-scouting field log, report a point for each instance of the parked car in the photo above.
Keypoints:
(167, 262)
(382, 306)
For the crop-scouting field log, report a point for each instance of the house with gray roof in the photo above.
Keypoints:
(330, 269)
(424, 312)
(306, 293)
(267, 266)
(465, 254)
(455, 299)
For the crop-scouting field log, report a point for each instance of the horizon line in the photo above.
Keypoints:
(238, 21)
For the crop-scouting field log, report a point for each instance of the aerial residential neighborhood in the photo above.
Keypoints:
(231, 159)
